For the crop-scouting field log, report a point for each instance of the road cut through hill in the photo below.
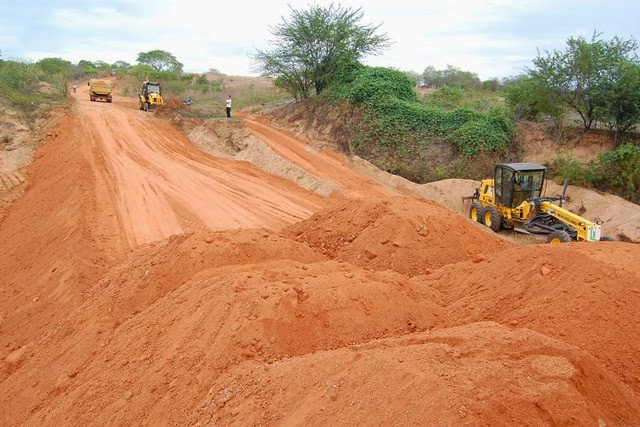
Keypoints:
(146, 282)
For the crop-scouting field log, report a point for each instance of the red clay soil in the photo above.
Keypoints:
(147, 283)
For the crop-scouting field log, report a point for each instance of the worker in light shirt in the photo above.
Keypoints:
(228, 107)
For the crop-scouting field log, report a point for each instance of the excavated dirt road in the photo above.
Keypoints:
(145, 282)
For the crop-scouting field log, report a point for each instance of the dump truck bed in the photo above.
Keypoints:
(100, 89)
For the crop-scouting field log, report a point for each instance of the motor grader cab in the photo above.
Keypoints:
(150, 95)
(513, 199)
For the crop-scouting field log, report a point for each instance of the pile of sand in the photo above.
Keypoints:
(408, 235)
(307, 326)
(392, 311)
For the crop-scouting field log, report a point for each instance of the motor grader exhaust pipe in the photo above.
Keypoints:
(564, 192)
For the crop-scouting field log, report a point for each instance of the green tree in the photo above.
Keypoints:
(55, 66)
(446, 97)
(416, 78)
(18, 84)
(160, 60)
(141, 71)
(103, 66)
(83, 63)
(619, 99)
(492, 85)
(90, 71)
(318, 46)
(121, 65)
(202, 79)
(58, 72)
(431, 76)
(578, 76)
(621, 171)
(451, 76)
(528, 99)
(19, 76)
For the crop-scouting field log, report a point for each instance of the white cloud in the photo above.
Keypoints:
(487, 37)
(91, 19)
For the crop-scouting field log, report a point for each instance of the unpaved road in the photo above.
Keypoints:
(145, 282)
(161, 185)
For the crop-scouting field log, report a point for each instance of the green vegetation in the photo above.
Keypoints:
(421, 141)
(21, 85)
(452, 77)
(317, 46)
(597, 80)
(616, 171)
(160, 61)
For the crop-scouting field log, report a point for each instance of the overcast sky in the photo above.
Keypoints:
(492, 38)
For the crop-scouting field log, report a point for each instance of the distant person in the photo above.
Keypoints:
(75, 86)
(228, 107)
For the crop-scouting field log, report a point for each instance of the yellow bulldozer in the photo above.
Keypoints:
(150, 95)
(513, 199)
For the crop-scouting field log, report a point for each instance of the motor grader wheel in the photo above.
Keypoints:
(493, 218)
(476, 212)
(559, 236)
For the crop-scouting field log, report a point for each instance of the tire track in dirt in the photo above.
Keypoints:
(10, 180)
(155, 168)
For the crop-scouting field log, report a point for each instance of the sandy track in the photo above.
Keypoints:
(161, 185)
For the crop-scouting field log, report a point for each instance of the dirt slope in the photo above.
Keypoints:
(148, 283)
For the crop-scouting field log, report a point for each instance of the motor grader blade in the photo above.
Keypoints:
(517, 226)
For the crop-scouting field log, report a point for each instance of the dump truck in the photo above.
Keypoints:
(150, 95)
(100, 89)
(513, 199)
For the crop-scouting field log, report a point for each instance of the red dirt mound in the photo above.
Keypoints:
(584, 294)
(408, 235)
(166, 324)
(478, 374)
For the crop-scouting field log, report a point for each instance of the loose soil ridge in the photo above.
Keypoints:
(146, 282)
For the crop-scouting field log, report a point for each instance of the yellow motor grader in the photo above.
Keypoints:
(513, 199)
(151, 94)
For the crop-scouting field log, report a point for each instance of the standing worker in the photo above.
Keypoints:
(228, 107)
(74, 87)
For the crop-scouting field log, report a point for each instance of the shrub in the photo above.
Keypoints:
(398, 119)
(616, 171)
(479, 136)
(578, 173)
(376, 84)
(447, 97)
(620, 171)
